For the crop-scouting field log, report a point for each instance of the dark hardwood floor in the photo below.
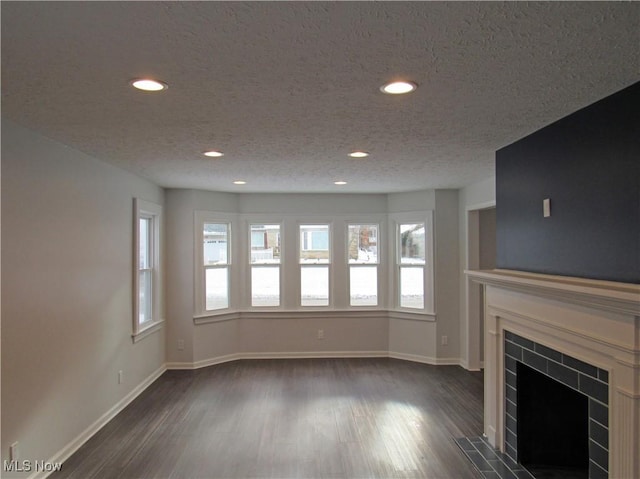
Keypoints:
(295, 418)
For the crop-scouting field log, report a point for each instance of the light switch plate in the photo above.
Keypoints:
(546, 207)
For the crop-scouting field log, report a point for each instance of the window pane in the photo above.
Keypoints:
(265, 286)
(363, 244)
(145, 299)
(144, 245)
(363, 285)
(216, 246)
(412, 244)
(412, 287)
(216, 288)
(265, 244)
(314, 244)
(314, 285)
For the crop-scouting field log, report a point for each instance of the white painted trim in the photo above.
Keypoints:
(317, 354)
(314, 314)
(154, 212)
(481, 206)
(313, 355)
(89, 432)
(417, 358)
(147, 330)
(606, 295)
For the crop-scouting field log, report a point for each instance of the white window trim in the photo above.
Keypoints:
(249, 279)
(397, 219)
(200, 218)
(377, 264)
(142, 209)
(328, 264)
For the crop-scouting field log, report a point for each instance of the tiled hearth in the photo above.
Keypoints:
(586, 334)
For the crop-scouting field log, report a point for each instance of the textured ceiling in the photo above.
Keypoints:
(287, 89)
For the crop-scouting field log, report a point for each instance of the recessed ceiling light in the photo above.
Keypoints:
(340, 183)
(213, 153)
(358, 154)
(398, 87)
(239, 182)
(147, 84)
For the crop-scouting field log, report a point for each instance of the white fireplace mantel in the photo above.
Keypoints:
(597, 322)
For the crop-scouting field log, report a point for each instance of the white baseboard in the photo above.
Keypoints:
(283, 355)
(85, 435)
(316, 354)
(416, 358)
(205, 362)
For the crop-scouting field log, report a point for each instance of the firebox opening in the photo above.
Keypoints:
(553, 426)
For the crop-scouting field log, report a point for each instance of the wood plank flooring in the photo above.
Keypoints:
(296, 418)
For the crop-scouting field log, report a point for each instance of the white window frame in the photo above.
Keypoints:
(327, 264)
(253, 265)
(200, 306)
(428, 266)
(145, 209)
(350, 265)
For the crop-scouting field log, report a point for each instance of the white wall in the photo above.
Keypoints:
(472, 198)
(290, 331)
(447, 290)
(67, 225)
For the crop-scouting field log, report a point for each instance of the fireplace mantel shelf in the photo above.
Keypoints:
(610, 295)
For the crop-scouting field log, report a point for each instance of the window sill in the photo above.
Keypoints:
(306, 313)
(147, 330)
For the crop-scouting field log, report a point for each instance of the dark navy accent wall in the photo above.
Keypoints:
(588, 164)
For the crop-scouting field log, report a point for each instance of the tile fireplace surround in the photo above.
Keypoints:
(596, 322)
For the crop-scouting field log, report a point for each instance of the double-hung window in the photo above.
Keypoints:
(147, 288)
(265, 253)
(315, 261)
(412, 255)
(362, 254)
(216, 259)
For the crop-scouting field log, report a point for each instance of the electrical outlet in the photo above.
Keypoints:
(445, 340)
(180, 344)
(14, 452)
(120, 377)
(320, 333)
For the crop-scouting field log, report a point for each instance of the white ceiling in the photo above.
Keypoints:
(287, 89)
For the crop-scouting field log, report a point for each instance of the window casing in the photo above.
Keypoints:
(363, 260)
(147, 287)
(265, 252)
(412, 244)
(216, 259)
(315, 264)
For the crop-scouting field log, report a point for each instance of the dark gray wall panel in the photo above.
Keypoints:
(588, 164)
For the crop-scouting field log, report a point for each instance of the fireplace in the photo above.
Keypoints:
(556, 411)
(573, 338)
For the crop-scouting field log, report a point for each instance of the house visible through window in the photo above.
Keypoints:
(216, 265)
(315, 260)
(265, 252)
(362, 252)
(412, 261)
